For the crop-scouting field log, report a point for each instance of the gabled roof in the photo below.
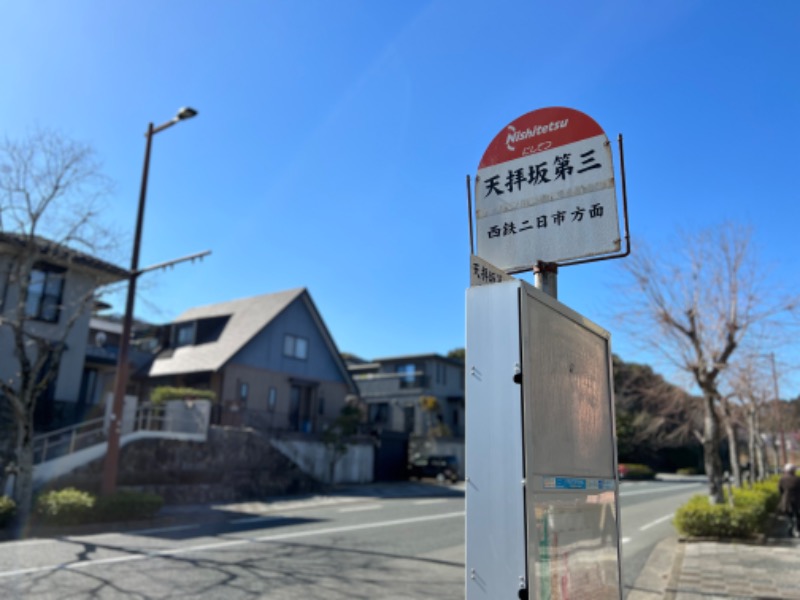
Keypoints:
(50, 251)
(247, 317)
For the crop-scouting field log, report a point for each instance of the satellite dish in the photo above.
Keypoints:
(100, 339)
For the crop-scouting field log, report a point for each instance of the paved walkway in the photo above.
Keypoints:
(708, 570)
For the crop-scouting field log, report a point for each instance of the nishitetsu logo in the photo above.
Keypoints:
(515, 136)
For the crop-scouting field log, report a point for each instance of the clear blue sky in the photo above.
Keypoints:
(334, 138)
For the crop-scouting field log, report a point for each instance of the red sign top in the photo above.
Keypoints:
(537, 131)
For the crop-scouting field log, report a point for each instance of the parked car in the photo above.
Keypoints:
(441, 468)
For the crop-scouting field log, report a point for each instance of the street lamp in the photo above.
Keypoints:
(111, 465)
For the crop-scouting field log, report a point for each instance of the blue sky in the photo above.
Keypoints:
(334, 138)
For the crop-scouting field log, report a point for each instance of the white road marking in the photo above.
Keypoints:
(659, 490)
(626, 540)
(429, 501)
(228, 544)
(656, 522)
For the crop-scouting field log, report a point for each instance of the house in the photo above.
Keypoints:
(412, 394)
(100, 365)
(59, 303)
(270, 360)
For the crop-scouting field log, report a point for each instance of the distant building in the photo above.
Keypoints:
(58, 306)
(270, 360)
(412, 394)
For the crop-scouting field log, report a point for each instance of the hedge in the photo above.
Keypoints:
(636, 471)
(65, 507)
(163, 393)
(7, 510)
(75, 507)
(748, 516)
(128, 506)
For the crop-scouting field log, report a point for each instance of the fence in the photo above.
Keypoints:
(176, 417)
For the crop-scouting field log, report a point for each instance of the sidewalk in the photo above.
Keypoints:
(719, 570)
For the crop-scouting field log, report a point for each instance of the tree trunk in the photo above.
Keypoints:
(761, 460)
(23, 484)
(751, 445)
(733, 442)
(711, 457)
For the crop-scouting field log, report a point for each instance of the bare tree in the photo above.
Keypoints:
(751, 385)
(701, 304)
(51, 190)
(729, 414)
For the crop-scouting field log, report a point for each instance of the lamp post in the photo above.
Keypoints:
(111, 464)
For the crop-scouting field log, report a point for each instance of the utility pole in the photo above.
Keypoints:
(777, 406)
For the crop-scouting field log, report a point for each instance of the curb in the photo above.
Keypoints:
(660, 571)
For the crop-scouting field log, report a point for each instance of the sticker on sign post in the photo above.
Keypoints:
(484, 273)
(545, 192)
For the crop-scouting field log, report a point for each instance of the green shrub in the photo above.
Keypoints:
(7, 510)
(163, 393)
(635, 471)
(748, 516)
(770, 489)
(686, 471)
(127, 506)
(65, 507)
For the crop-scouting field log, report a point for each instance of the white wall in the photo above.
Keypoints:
(313, 458)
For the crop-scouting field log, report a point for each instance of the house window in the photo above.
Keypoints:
(408, 375)
(441, 373)
(45, 293)
(184, 334)
(243, 391)
(272, 399)
(295, 347)
(379, 413)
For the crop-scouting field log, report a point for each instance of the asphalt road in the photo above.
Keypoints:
(646, 510)
(411, 546)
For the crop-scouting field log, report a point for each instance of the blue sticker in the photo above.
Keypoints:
(570, 483)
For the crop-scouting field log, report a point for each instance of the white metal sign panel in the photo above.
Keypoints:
(545, 191)
(482, 272)
(495, 495)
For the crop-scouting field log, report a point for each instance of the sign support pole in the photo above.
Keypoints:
(545, 278)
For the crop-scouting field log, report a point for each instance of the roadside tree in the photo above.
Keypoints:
(51, 190)
(697, 307)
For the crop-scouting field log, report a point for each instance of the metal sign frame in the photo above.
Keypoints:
(514, 504)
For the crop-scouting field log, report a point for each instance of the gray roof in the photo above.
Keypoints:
(248, 316)
(63, 255)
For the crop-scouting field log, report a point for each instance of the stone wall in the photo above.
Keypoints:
(234, 464)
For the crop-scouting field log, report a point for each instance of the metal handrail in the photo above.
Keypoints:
(147, 418)
(57, 432)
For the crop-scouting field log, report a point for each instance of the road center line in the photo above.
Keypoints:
(656, 522)
(227, 544)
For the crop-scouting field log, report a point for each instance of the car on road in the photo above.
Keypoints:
(441, 468)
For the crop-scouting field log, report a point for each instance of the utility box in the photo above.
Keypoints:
(541, 467)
